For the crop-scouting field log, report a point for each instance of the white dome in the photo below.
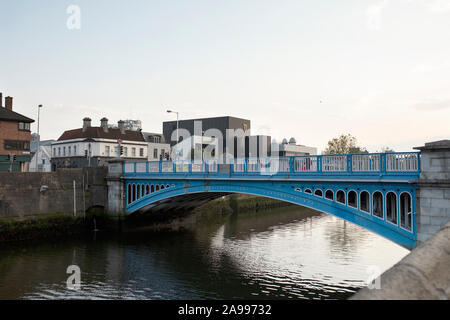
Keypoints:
(292, 141)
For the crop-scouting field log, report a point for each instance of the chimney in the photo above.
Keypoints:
(86, 123)
(1, 100)
(121, 124)
(104, 124)
(9, 103)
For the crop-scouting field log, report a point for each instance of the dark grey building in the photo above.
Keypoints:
(219, 123)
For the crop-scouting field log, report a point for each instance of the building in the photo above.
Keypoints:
(94, 146)
(195, 147)
(158, 149)
(133, 125)
(15, 137)
(291, 148)
(44, 155)
(257, 146)
(214, 128)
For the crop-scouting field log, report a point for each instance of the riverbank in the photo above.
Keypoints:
(62, 225)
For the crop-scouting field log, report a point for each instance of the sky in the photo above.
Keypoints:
(376, 69)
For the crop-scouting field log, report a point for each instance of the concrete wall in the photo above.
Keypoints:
(35, 193)
(433, 197)
(421, 275)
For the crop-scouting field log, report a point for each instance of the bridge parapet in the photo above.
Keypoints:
(399, 165)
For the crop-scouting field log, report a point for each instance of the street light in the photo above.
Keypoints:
(170, 111)
(39, 138)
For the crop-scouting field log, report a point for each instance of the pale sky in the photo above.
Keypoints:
(377, 69)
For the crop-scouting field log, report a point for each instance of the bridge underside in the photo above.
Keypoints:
(386, 208)
(183, 202)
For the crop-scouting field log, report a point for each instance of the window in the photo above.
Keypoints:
(163, 153)
(125, 151)
(141, 152)
(54, 152)
(107, 151)
(64, 151)
(70, 151)
(24, 126)
(155, 153)
(133, 152)
(16, 145)
(74, 150)
(59, 151)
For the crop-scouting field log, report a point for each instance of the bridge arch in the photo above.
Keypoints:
(364, 212)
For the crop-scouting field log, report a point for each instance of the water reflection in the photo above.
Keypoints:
(285, 253)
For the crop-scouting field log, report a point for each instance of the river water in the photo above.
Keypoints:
(287, 253)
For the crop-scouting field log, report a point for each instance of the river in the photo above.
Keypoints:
(286, 253)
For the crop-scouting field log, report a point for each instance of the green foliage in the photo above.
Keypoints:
(385, 149)
(344, 144)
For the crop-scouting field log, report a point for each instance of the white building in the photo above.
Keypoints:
(291, 148)
(158, 149)
(44, 156)
(94, 146)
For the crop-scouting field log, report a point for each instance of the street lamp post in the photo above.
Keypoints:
(39, 138)
(170, 111)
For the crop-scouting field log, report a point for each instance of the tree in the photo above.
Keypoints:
(344, 144)
(385, 149)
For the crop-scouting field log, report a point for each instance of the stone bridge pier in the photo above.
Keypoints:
(116, 187)
(433, 196)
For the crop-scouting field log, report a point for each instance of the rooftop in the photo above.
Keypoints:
(98, 132)
(9, 115)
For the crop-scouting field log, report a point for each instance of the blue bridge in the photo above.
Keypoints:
(374, 191)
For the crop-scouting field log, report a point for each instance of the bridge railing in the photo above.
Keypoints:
(374, 163)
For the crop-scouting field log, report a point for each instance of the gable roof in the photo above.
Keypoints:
(98, 132)
(9, 115)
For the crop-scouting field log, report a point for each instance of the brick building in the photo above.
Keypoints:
(15, 137)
